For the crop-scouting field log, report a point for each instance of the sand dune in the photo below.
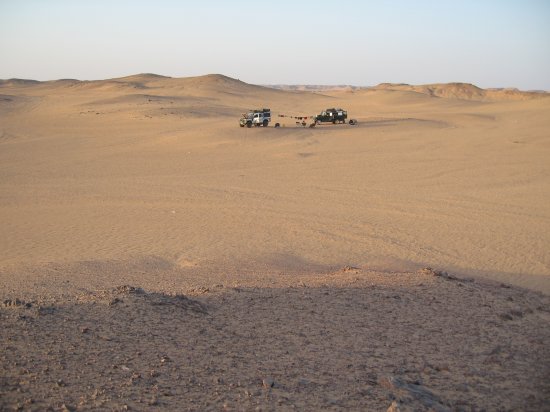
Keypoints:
(149, 181)
(464, 91)
(95, 170)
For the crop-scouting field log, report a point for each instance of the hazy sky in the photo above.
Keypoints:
(491, 43)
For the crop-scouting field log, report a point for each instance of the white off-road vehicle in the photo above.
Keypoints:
(258, 117)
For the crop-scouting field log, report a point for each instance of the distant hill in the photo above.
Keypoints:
(463, 91)
(225, 84)
(216, 83)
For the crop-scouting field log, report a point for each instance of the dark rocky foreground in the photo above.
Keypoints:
(351, 340)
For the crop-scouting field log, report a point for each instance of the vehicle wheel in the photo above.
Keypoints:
(242, 125)
(334, 122)
(265, 122)
(248, 124)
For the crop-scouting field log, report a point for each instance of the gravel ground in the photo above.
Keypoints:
(349, 340)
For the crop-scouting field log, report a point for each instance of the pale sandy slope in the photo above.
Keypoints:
(156, 169)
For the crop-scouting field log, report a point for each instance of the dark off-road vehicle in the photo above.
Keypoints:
(332, 115)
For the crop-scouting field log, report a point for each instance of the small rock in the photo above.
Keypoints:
(201, 290)
(11, 303)
(268, 383)
(506, 316)
(517, 313)
(115, 301)
(496, 350)
(394, 407)
(129, 290)
(412, 397)
(46, 310)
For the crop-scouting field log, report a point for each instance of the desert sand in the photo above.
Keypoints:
(155, 254)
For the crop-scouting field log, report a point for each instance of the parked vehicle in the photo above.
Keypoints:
(257, 117)
(332, 115)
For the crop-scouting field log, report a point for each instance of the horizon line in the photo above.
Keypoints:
(278, 84)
